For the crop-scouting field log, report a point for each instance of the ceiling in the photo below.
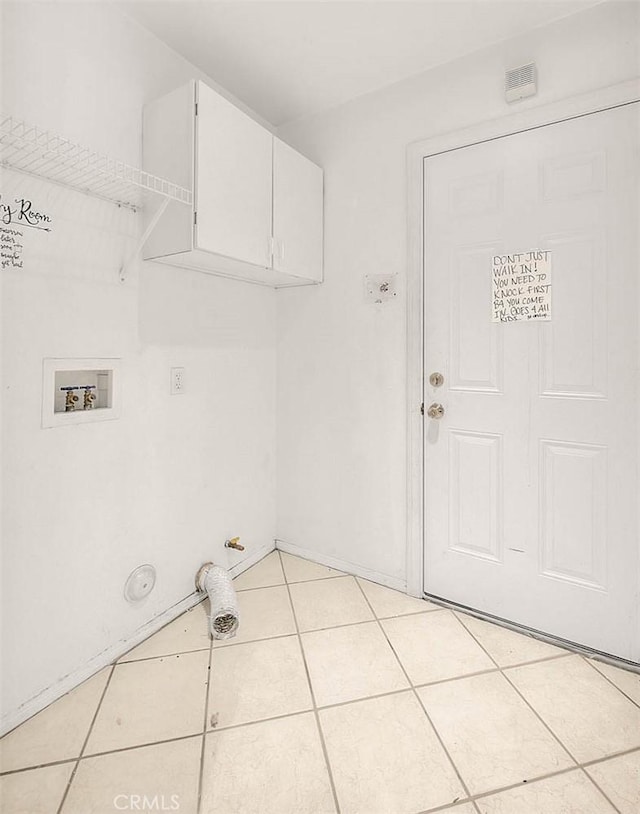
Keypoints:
(288, 60)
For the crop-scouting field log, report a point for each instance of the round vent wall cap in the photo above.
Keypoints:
(139, 583)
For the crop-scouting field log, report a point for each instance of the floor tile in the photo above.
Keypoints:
(273, 767)
(590, 716)
(387, 602)
(263, 574)
(625, 680)
(257, 680)
(166, 774)
(435, 646)
(491, 734)
(264, 613)
(330, 602)
(385, 757)
(506, 647)
(619, 778)
(351, 662)
(36, 791)
(190, 631)
(299, 570)
(56, 733)
(152, 700)
(465, 808)
(571, 793)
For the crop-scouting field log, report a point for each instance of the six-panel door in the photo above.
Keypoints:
(531, 474)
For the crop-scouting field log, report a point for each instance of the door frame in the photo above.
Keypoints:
(530, 119)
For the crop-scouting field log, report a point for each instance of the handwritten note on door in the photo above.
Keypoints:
(521, 286)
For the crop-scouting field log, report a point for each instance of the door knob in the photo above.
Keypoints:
(435, 410)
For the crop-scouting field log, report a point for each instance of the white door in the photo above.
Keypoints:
(531, 503)
(297, 213)
(233, 181)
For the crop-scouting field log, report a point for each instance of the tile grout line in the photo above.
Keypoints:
(340, 575)
(535, 661)
(582, 768)
(446, 808)
(535, 712)
(86, 740)
(284, 715)
(439, 681)
(606, 677)
(162, 655)
(325, 706)
(23, 769)
(276, 717)
(458, 804)
(415, 693)
(292, 582)
(159, 630)
(471, 799)
(284, 635)
(578, 765)
(232, 727)
(589, 763)
(124, 660)
(602, 792)
(554, 657)
(435, 810)
(204, 728)
(313, 697)
(132, 748)
(482, 795)
(511, 684)
(336, 705)
(449, 807)
(585, 765)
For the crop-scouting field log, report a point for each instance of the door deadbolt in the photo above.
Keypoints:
(436, 380)
(435, 410)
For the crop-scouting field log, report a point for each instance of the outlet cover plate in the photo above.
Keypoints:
(177, 381)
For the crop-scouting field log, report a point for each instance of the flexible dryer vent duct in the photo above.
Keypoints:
(225, 615)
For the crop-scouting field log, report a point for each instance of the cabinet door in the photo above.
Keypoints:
(167, 151)
(297, 213)
(233, 181)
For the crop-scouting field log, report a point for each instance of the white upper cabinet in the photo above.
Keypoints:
(257, 212)
(233, 190)
(297, 213)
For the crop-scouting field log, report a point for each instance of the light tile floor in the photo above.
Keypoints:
(338, 695)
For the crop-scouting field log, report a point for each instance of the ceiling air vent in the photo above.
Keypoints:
(520, 82)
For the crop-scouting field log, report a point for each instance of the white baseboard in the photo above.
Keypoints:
(36, 704)
(342, 565)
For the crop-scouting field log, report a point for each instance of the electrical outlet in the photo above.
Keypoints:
(177, 381)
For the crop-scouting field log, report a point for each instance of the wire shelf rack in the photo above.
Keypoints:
(32, 150)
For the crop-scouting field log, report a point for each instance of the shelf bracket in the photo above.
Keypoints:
(124, 268)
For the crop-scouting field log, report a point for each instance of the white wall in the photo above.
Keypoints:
(341, 362)
(176, 475)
